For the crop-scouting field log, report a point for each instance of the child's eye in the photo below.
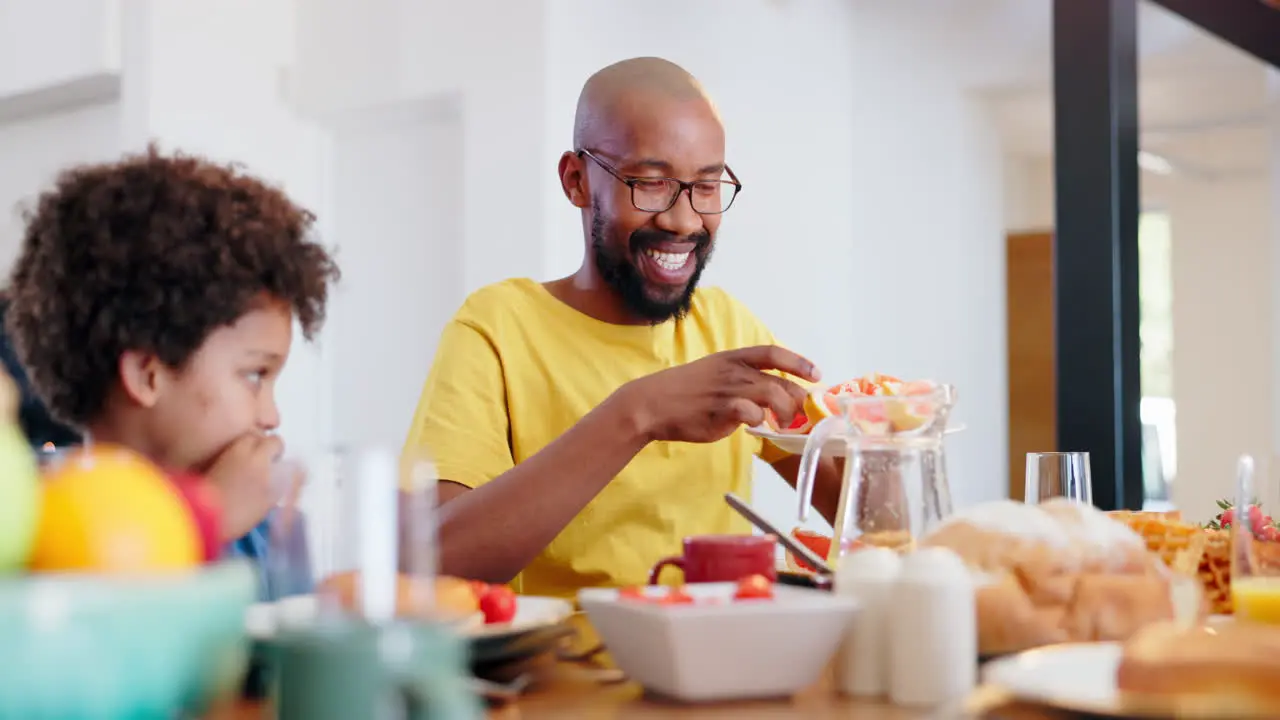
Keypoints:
(256, 376)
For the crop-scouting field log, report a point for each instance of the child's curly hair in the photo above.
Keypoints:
(152, 253)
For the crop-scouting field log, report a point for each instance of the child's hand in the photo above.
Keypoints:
(243, 473)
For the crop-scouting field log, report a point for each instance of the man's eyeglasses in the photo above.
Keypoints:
(659, 194)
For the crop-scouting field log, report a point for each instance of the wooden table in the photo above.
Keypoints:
(629, 701)
(563, 691)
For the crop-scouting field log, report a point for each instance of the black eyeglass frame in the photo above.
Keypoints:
(685, 187)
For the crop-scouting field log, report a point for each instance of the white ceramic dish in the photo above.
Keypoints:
(723, 651)
(263, 620)
(1081, 678)
(532, 613)
(794, 444)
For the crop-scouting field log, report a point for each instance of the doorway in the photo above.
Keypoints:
(1033, 412)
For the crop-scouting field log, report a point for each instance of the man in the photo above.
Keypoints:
(583, 427)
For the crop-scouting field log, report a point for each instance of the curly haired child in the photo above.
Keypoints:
(153, 304)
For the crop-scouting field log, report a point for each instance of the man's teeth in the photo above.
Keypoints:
(668, 261)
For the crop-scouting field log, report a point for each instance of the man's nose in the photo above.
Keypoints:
(680, 219)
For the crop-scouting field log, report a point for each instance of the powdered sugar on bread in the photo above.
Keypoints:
(1007, 517)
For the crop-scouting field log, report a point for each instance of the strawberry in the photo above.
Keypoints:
(1255, 517)
(1263, 525)
(1227, 518)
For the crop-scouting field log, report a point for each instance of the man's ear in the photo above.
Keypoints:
(573, 179)
(141, 375)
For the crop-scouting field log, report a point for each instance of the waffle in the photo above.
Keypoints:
(1181, 545)
(1215, 572)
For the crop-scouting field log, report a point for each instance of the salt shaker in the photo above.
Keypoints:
(862, 662)
(933, 643)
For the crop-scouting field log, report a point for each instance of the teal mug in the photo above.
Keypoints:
(347, 669)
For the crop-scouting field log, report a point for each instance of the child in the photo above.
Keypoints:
(153, 303)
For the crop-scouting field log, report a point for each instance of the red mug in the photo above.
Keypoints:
(722, 558)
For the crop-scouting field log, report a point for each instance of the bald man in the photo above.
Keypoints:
(583, 427)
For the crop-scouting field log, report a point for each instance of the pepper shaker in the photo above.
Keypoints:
(933, 642)
(862, 662)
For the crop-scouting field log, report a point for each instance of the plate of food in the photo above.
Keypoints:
(477, 610)
(880, 405)
(1164, 670)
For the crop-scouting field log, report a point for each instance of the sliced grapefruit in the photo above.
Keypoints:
(817, 542)
(799, 425)
(819, 405)
(897, 540)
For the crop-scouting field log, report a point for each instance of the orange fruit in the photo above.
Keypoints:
(108, 509)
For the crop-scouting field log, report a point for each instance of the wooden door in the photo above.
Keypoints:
(1032, 373)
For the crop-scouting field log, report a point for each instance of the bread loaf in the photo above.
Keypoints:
(1056, 572)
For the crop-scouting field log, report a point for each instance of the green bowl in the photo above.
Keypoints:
(83, 646)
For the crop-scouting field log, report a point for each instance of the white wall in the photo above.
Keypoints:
(869, 235)
(49, 42)
(33, 150)
(394, 199)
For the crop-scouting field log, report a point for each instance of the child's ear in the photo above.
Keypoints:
(140, 377)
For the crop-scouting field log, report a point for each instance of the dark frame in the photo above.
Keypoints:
(1095, 77)
(1096, 131)
(631, 181)
(1251, 25)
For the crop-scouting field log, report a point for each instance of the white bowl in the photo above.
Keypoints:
(723, 651)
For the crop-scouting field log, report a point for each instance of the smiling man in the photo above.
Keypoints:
(582, 427)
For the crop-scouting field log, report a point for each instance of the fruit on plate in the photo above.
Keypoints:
(204, 502)
(451, 598)
(904, 407)
(820, 544)
(108, 509)
(799, 425)
(817, 542)
(497, 602)
(19, 484)
(455, 598)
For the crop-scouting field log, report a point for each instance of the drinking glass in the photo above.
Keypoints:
(345, 539)
(1255, 550)
(1058, 474)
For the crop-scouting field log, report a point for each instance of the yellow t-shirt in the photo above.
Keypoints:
(517, 367)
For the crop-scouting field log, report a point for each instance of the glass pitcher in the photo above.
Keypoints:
(894, 486)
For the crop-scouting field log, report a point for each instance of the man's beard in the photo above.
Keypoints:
(617, 266)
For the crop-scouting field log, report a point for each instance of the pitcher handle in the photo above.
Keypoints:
(823, 432)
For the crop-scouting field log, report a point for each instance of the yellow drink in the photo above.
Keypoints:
(1257, 599)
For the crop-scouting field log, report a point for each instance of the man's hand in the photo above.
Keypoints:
(243, 473)
(706, 400)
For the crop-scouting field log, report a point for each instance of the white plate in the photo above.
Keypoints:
(1081, 678)
(262, 620)
(532, 612)
(794, 444)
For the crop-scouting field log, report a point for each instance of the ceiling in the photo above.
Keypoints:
(1204, 105)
